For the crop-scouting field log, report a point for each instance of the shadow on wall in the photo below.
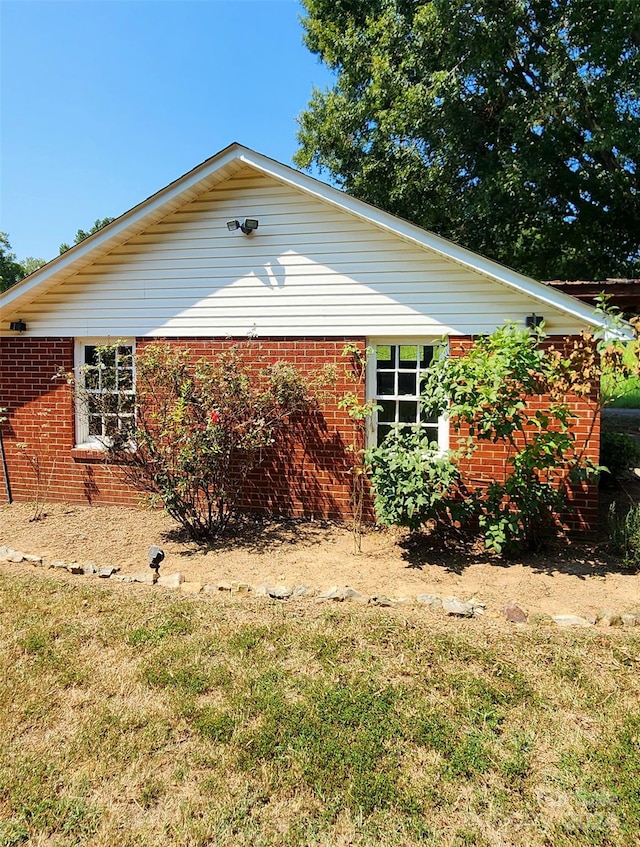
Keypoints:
(90, 486)
(32, 449)
(306, 473)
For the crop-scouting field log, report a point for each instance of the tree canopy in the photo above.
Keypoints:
(11, 271)
(31, 264)
(81, 234)
(510, 126)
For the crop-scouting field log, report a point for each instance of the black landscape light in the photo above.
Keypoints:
(249, 225)
(156, 555)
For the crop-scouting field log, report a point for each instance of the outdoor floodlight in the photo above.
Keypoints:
(533, 321)
(20, 326)
(247, 227)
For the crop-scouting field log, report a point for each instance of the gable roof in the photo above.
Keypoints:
(222, 166)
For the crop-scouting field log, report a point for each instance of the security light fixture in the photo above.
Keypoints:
(18, 326)
(533, 321)
(247, 227)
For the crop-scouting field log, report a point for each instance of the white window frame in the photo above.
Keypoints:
(372, 396)
(83, 439)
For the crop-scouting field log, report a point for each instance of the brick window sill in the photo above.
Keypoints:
(89, 454)
(95, 455)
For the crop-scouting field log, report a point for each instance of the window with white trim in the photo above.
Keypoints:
(105, 377)
(396, 373)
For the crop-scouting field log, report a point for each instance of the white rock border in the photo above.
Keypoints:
(451, 606)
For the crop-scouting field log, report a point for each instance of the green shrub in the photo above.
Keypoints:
(412, 481)
(618, 451)
(620, 386)
(624, 534)
(485, 393)
(201, 427)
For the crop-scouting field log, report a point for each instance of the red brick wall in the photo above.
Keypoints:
(306, 473)
(41, 417)
(489, 461)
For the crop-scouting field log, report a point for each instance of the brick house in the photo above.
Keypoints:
(321, 269)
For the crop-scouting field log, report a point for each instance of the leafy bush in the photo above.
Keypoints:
(618, 452)
(621, 384)
(624, 534)
(413, 482)
(201, 428)
(487, 393)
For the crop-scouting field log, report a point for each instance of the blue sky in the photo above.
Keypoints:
(103, 102)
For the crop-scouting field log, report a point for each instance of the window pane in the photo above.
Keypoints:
(126, 425)
(127, 403)
(95, 425)
(110, 403)
(383, 431)
(407, 383)
(431, 419)
(386, 356)
(408, 411)
(388, 411)
(108, 376)
(111, 425)
(125, 380)
(125, 355)
(385, 384)
(432, 434)
(92, 379)
(408, 356)
(426, 356)
(108, 357)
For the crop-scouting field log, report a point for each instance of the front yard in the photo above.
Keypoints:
(134, 716)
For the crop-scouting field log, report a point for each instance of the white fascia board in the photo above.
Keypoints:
(118, 231)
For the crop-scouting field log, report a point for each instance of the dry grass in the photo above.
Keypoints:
(132, 717)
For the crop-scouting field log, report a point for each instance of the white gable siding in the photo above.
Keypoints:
(310, 269)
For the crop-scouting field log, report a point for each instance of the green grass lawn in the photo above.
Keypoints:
(133, 717)
(621, 393)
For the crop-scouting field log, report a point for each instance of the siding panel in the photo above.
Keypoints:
(308, 270)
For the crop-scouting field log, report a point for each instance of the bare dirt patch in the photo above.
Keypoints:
(573, 578)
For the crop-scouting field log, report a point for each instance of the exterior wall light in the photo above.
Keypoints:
(533, 321)
(18, 326)
(247, 227)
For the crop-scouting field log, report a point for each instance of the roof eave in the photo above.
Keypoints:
(118, 231)
(208, 172)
